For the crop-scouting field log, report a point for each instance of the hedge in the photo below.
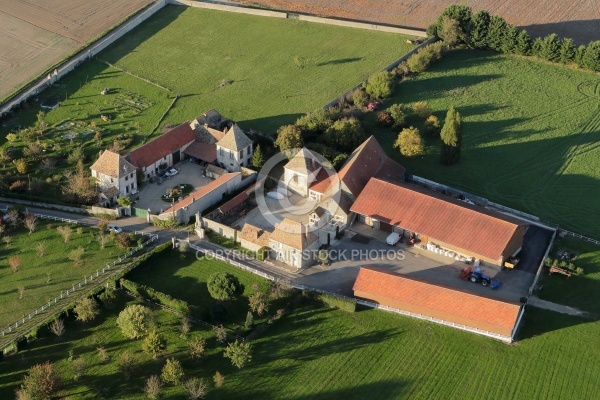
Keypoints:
(344, 304)
(164, 299)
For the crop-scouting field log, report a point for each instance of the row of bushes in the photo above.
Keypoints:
(169, 223)
(343, 303)
(458, 24)
(556, 263)
(155, 296)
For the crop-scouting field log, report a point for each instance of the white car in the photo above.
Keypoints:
(393, 238)
(115, 229)
(171, 172)
(275, 195)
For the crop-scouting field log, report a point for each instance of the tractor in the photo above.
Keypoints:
(478, 276)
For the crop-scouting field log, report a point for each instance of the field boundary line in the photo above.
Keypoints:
(132, 74)
(161, 119)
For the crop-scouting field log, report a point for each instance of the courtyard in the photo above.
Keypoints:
(150, 196)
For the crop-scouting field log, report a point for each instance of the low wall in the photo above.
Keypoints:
(76, 210)
(231, 8)
(220, 229)
(362, 25)
(101, 210)
(85, 54)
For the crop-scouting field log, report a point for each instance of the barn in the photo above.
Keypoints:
(439, 222)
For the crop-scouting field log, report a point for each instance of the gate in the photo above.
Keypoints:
(139, 212)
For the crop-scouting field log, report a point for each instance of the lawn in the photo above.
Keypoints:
(275, 69)
(43, 278)
(530, 134)
(320, 353)
(577, 291)
(186, 278)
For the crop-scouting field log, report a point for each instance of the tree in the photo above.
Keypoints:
(258, 303)
(75, 255)
(86, 309)
(41, 382)
(135, 321)
(461, 14)
(80, 187)
(30, 221)
(257, 159)
(197, 348)
(288, 137)
(185, 327)
(451, 138)
(579, 55)
(323, 257)
(550, 50)
(249, 320)
(567, 51)
(11, 137)
(536, 47)
(15, 263)
(315, 122)
(239, 353)
(220, 333)
(360, 98)
(153, 344)
(451, 31)
(380, 85)
(13, 217)
(431, 30)
(479, 29)
(421, 109)
(345, 134)
(57, 327)
(218, 379)
(124, 201)
(79, 367)
(410, 143)
(224, 286)
(416, 64)
(21, 165)
(591, 58)
(5, 156)
(398, 113)
(172, 372)
(153, 387)
(432, 126)
(509, 40)
(523, 46)
(75, 156)
(195, 388)
(66, 232)
(384, 118)
(496, 32)
(127, 363)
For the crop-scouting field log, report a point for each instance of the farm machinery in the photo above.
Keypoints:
(478, 276)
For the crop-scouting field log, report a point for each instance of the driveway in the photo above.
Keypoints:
(348, 256)
(150, 194)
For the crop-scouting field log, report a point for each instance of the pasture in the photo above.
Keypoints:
(321, 353)
(43, 277)
(530, 134)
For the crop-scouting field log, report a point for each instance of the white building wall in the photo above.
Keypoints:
(231, 160)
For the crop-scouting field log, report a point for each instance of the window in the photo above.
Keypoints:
(126, 177)
(241, 154)
(221, 152)
(131, 175)
(231, 155)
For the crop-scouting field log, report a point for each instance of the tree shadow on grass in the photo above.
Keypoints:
(340, 61)
(268, 125)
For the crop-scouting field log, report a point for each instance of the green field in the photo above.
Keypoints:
(577, 291)
(530, 134)
(320, 353)
(186, 279)
(43, 278)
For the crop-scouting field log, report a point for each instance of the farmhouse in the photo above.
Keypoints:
(302, 171)
(440, 222)
(234, 150)
(203, 198)
(253, 238)
(418, 298)
(164, 151)
(293, 244)
(115, 176)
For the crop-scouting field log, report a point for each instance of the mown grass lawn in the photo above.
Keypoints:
(530, 134)
(186, 278)
(577, 291)
(43, 278)
(320, 353)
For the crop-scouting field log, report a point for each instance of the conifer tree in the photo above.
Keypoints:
(523, 43)
(591, 58)
(479, 29)
(567, 51)
(496, 33)
(451, 138)
(509, 41)
(550, 50)
(257, 159)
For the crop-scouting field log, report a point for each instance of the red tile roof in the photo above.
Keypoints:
(440, 217)
(368, 160)
(233, 203)
(203, 191)
(162, 146)
(441, 302)
(202, 151)
(325, 182)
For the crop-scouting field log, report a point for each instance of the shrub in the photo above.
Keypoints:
(127, 363)
(169, 223)
(172, 372)
(75, 255)
(345, 134)
(579, 271)
(416, 63)
(344, 304)
(398, 113)
(40, 247)
(135, 321)
(315, 122)
(102, 355)
(220, 333)
(66, 232)
(21, 165)
(195, 388)
(360, 98)
(86, 309)
(421, 109)
(15, 263)
(384, 118)
(239, 353)
(57, 327)
(432, 126)
(288, 137)
(258, 303)
(79, 367)
(224, 286)
(197, 348)
(410, 143)
(153, 344)
(380, 85)
(218, 379)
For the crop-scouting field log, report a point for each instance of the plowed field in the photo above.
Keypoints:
(35, 35)
(579, 19)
